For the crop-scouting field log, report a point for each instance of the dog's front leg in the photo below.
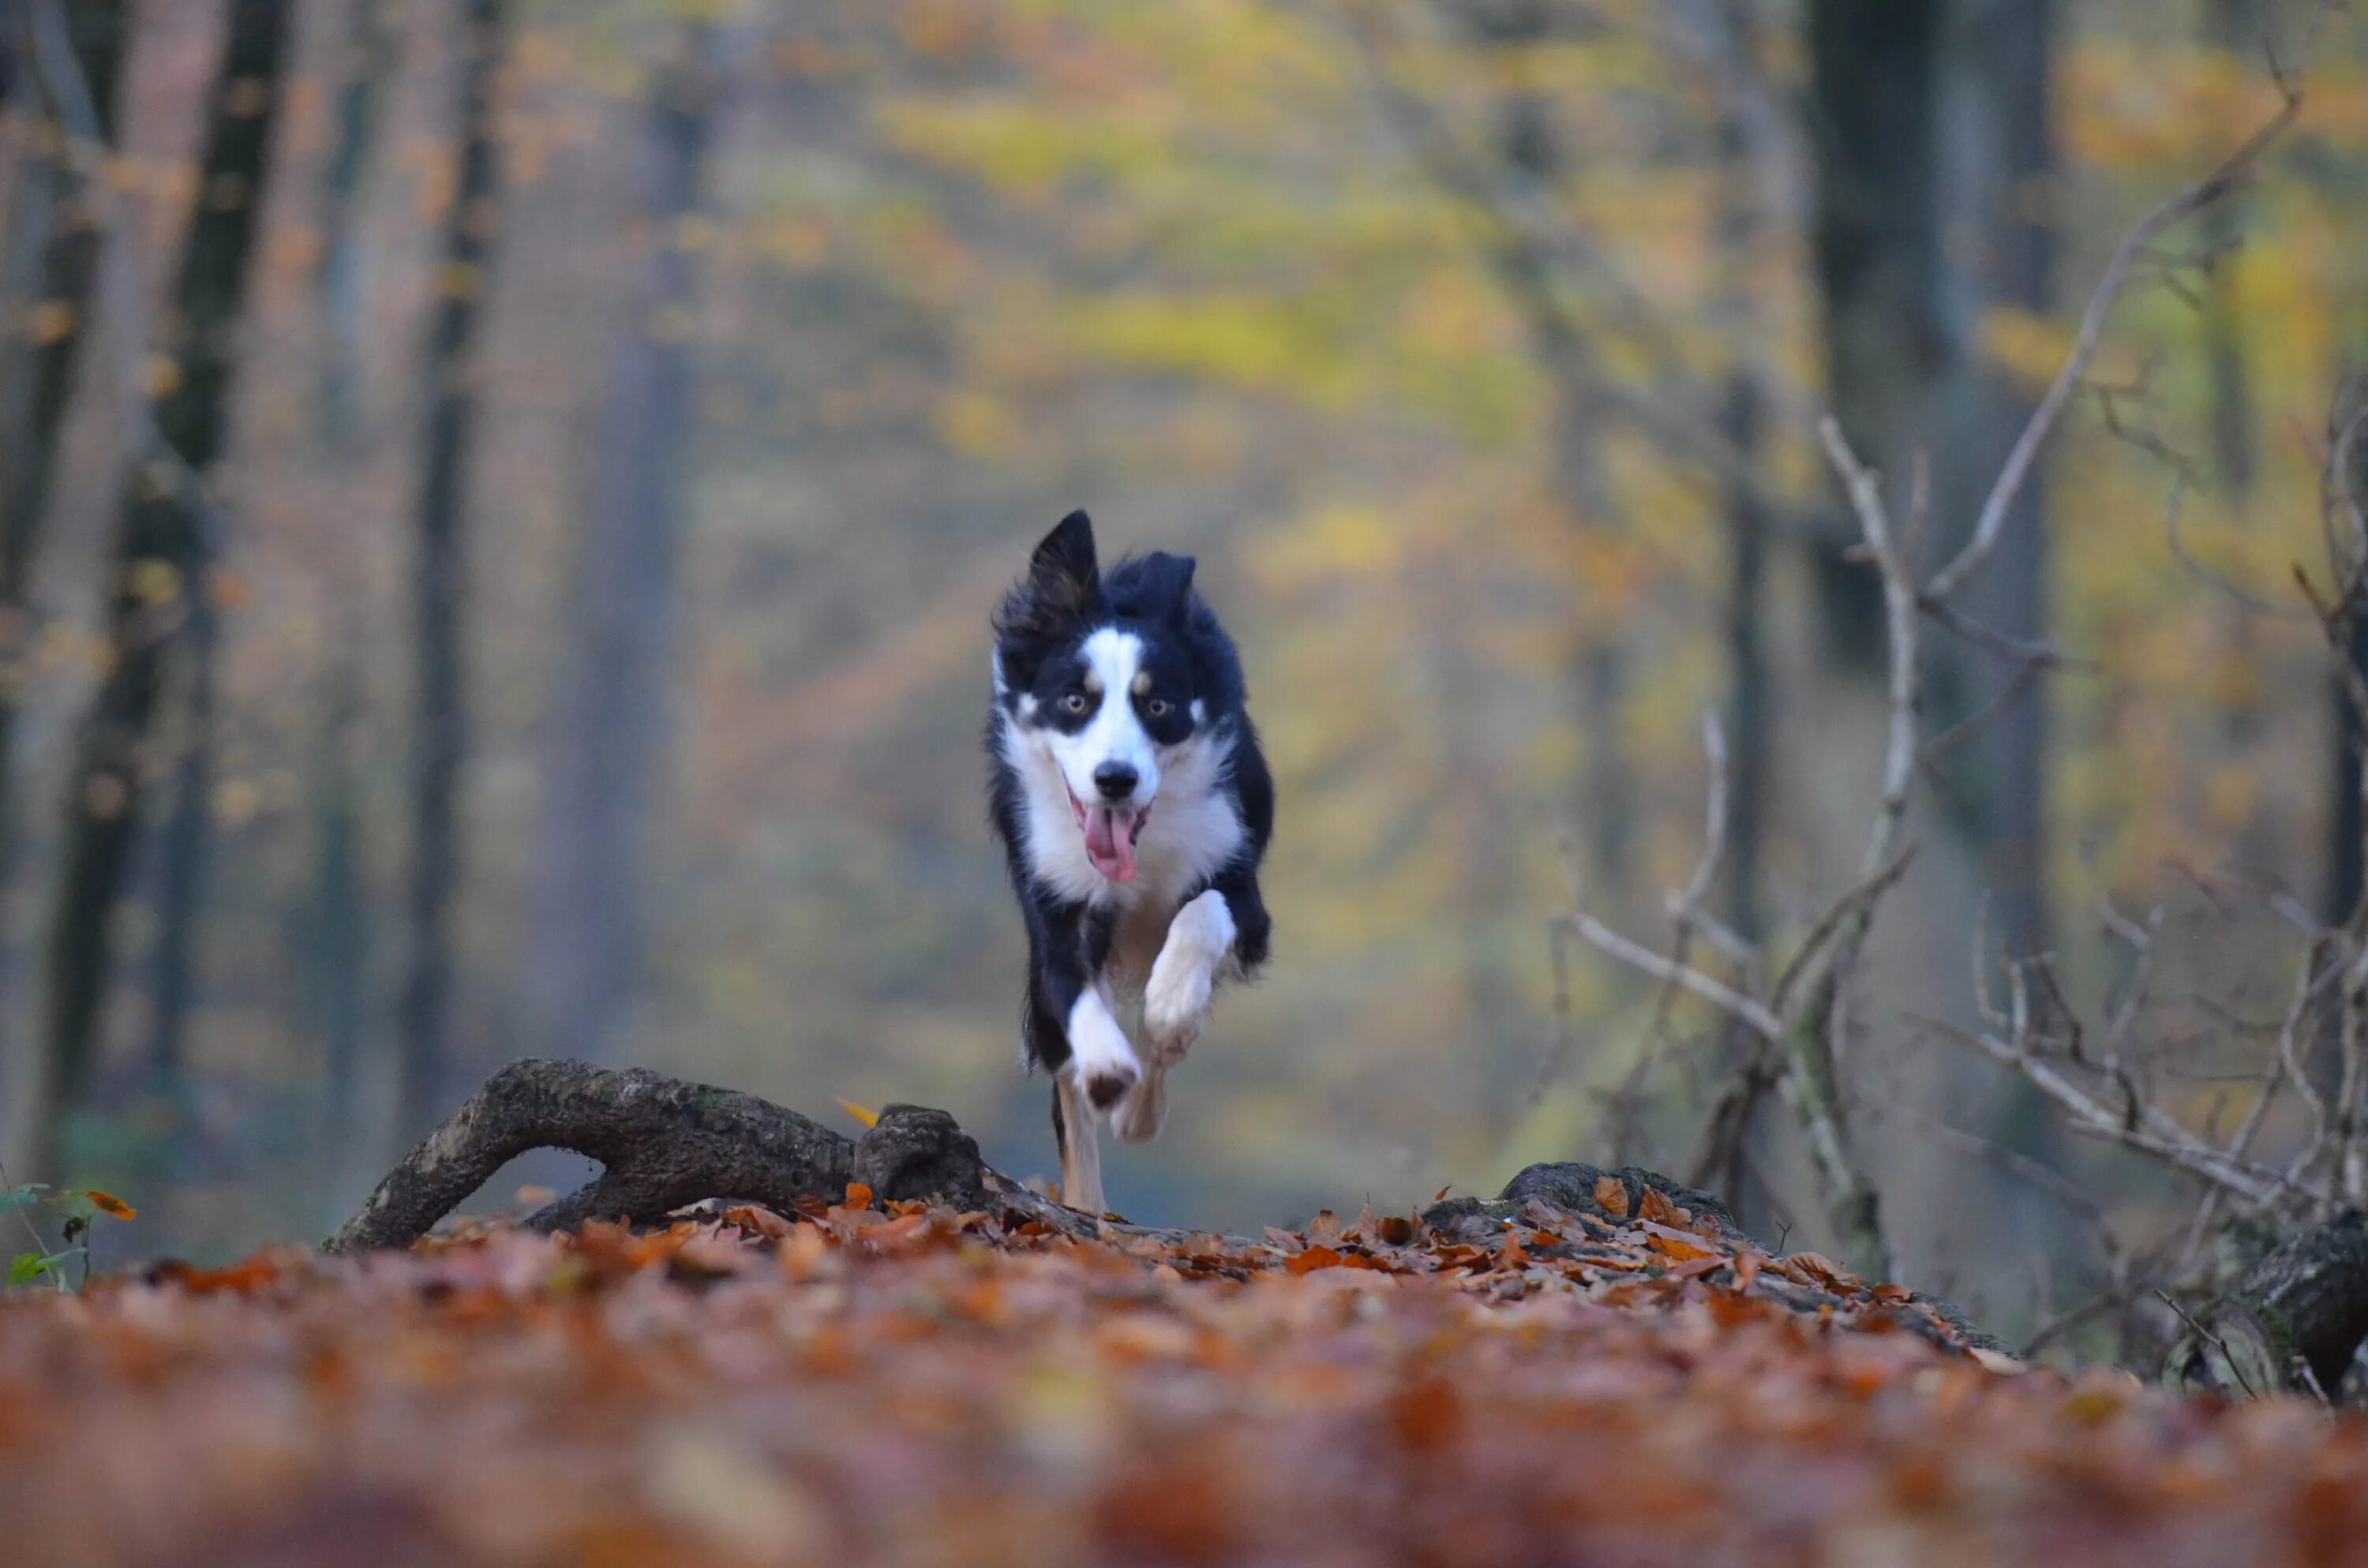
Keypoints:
(1199, 945)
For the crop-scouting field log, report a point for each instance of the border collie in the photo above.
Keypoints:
(1134, 807)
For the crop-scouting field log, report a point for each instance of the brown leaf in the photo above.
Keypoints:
(1611, 1196)
(1815, 1268)
(1313, 1258)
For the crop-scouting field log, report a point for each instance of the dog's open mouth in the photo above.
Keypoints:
(1111, 833)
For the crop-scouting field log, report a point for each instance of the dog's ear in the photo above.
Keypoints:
(1063, 574)
(1167, 583)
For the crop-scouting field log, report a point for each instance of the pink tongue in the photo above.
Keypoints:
(1109, 842)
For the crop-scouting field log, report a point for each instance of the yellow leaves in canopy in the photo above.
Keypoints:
(2126, 105)
(2031, 349)
(1345, 539)
(237, 802)
(152, 581)
(975, 424)
(48, 322)
(1259, 342)
(1021, 149)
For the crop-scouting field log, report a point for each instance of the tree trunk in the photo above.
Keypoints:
(605, 738)
(160, 551)
(441, 740)
(52, 257)
(331, 943)
(181, 895)
(52, 264)
(1997, 154)
(1874, 82)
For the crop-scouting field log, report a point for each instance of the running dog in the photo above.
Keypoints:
(1134, 807)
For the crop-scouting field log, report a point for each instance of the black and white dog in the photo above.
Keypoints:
(1132, 800)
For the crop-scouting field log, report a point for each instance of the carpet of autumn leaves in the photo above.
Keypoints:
(900, 1384)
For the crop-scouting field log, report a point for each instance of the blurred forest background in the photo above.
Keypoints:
(499, 502)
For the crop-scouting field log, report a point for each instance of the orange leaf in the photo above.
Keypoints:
(868, 1117)
(762, 1221)
(859, 1195)
(1654, 1206)
(1683, 1251)
(109, 1203)
(1425, 1413)
(1311, 1260)
(1611, 1197)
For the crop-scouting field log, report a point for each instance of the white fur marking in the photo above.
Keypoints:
(1114, 734)
(1098, 1050)
(1176, 1003)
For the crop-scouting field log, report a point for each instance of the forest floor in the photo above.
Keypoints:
(900, 1384)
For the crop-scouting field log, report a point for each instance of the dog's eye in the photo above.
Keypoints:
(1074, 703)
(1157, 708)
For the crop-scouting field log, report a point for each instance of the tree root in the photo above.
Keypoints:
(665, 1144)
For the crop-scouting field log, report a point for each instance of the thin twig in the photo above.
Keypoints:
(2209, 1338)
(2182, 204)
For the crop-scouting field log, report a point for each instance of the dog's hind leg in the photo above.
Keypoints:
(1081, 1154)
(1145, 1111)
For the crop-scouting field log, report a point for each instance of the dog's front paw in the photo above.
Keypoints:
(1175, 1007)
(1104, 1061)
(1176, 998)
(1105, 1086)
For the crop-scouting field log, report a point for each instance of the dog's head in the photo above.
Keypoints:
(1096, 677)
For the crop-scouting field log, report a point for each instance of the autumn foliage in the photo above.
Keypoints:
(905, 1383)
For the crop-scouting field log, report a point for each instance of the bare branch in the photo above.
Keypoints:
(2183, 204)
(1693, 982)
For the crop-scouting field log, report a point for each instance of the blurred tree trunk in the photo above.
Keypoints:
(53, 250)
(452, 370)
(188, 841)
(331, 943)
(1744, 224)
(1529, 151)
(1872, 109)
(162, 545)
(606, 728)
(1998, 160)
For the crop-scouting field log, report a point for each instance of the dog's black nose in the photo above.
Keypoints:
(1115, 780)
